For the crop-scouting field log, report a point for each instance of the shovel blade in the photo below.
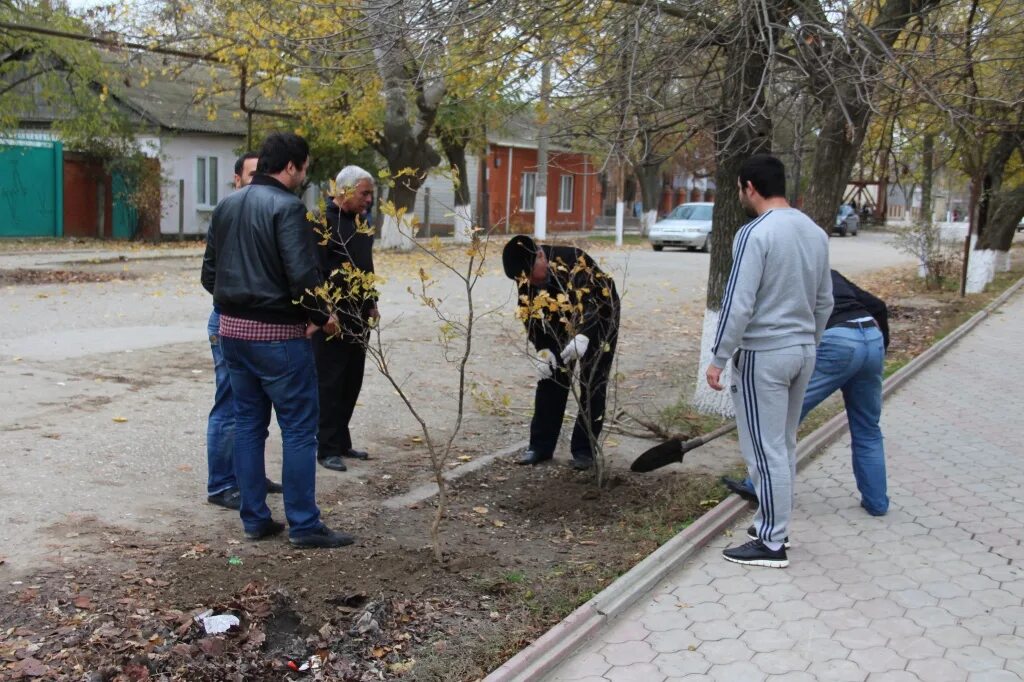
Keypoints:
(669, 452)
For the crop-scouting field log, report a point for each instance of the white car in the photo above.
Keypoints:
(687, 225)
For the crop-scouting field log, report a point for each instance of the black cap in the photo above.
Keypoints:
(518, 256)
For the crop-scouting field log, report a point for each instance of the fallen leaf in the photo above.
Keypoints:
(120, 420)
(402, 667)
(82, 602)
(185, 468)
(499, 524)
(465, 458)
(481, 510)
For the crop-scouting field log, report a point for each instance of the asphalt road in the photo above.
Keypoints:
(105, 387)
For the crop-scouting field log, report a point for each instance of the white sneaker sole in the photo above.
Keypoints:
(769, 563)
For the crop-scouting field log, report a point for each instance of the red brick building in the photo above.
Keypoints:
(573, 189)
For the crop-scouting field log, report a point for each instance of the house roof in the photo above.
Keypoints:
(520, 130)
(177, 95)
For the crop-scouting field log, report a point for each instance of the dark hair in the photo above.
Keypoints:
(766, 173)
(518, 256)
(240, 161)
(280, 148)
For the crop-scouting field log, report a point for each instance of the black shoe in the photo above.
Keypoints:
(269, 530)
(581, 462)
(533, 457)
(274, 488)
(754, 553)
(739, 488)
(324, 538)
(752, 534)
(356, 454)
(333, 462)
(229, 499)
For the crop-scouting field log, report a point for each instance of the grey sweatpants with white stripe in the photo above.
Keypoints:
(768, 389)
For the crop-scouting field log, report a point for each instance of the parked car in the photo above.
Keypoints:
(688, 225)
(847, 221)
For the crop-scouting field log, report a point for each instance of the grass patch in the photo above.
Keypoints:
(609, 239)
(681, 417)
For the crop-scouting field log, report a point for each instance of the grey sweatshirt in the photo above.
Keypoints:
(779, 292)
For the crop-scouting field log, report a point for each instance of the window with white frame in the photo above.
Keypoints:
(206, 181)
(527, 190)
(565, 186)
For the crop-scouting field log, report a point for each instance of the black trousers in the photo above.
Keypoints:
(339, 367)
(553, 394)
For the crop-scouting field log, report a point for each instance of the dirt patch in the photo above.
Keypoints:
(23, 276)
(526, 545)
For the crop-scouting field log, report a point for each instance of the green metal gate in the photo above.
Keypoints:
(124, 215)
(31, 188)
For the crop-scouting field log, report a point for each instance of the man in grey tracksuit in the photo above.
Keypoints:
(774, 311)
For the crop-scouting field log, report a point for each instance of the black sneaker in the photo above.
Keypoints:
(274, 488)
(752, 534)
(754, 553)
(229, 499)
(323, 538)
(269, 530)
(740, 488)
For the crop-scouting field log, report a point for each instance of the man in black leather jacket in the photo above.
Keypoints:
(341, 360)
(259, 265)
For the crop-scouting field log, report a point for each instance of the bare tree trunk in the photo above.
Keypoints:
(998, 213)
(649, 177)
(845, 90)
(928, 172)
(405, 141)
(455, 149)
(736, 139)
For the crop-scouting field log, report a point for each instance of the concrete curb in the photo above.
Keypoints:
(428, 490)
(547, 651)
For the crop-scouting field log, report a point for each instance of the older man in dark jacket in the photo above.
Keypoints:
(259, 262)
(341, 359)
(571, 312)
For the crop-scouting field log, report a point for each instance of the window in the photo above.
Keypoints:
(527, 190)
(565, 184)
(206, 181)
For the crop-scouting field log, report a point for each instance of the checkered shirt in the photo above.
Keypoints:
(253, 330)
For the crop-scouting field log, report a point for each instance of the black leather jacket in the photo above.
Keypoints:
(261, 256)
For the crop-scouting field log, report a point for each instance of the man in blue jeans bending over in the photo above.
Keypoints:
(850, 357)
(221, 487)
(259, 263)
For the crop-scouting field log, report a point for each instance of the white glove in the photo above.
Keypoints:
(545, 363)
(575, 349)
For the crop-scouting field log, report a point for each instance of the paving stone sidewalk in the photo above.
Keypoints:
(933, 591)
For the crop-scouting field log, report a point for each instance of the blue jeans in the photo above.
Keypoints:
(852, 360)
(282, 375)
(220, 427)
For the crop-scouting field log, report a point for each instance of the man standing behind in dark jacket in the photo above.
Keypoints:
(571, 312)
(340, 360)
(260, 259)
(850, 358)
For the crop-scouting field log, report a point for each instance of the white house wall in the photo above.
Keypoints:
(442, 194)
(178, 154)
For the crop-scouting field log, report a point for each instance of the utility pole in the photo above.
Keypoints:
(540, 201)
